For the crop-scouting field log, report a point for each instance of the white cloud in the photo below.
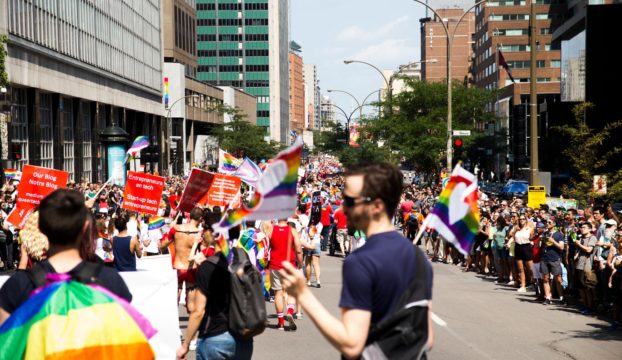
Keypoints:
(389, 51)
(356, 33)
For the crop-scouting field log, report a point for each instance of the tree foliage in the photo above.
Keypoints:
(417, 127)
(242, 138)
(592, 152)
(4, 77)
(330, 140)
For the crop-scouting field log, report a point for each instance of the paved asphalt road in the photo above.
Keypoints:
(475, 319)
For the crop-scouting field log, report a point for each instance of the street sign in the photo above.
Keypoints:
(461, 132)
(536, 197)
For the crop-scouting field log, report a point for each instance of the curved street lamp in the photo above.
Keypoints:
(347, 116)
(450, 39)
(169, 130)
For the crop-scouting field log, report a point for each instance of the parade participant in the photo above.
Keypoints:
(183, 236)
(312, 253)
(125, 248)
(283, 238)
(103, 247)
(64, 220)
(553, 245)
(584, 264)
(374, 276)
(327, 211)
(521, 236)
(341, 224)
(211, 317)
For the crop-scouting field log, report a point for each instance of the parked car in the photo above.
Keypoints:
(491, 188)
(515, 188)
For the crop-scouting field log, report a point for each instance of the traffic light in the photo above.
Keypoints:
(458, 147)
(16, 151)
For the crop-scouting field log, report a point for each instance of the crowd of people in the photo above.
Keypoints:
(562, 256)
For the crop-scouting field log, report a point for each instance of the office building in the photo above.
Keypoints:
(193, 107)
(327, 112)
(503, 25)
(434, 45)
(296, 90)
(76, 67)
(245, 44)
(312, 97)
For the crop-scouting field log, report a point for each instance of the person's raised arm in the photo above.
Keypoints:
(347, 335)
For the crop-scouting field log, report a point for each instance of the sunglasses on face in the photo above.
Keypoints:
(522, 219)
(352, 201)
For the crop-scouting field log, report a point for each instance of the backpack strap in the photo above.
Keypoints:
(88, 273)
(37, 274)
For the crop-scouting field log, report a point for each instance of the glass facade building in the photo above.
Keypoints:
(241, 43)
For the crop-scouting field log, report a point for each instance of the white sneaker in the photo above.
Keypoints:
(193, 345)
(511, 283)
(521, 290)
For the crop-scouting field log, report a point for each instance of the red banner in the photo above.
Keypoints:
(143, 193)
(37, 183)
(207, 188)
(222, 190)
(19, 215)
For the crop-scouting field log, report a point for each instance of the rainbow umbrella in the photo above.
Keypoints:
(71, 320)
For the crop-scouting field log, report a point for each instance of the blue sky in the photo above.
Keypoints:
(384, 33)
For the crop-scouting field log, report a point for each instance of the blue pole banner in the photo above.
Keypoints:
(116, 163)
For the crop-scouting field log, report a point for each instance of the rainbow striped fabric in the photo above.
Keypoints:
(227, 163)
(223, 246)
(102, 234)
(10, 173)
(140, 143)
(71, 320)
(155, 222)
(456, 215)
(275, 196)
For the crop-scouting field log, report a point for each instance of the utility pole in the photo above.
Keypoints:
(533, 158)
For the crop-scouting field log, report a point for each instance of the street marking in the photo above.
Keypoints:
(438, 320)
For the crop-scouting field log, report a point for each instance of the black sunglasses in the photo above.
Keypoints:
(350, 201)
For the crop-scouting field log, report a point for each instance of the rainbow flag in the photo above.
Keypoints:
(261, 255)
(71, 320)
(227, 163)
(223, 244)
(140, 143)
(247, 240)
(10, 173)
(275, 195)
(155, 222)
(102, 235)
(456, 215)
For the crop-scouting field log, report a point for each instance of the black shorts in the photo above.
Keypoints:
(523, 252)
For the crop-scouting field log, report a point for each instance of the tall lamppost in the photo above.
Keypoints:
(169, 131)
(358, 103)
(347, 116)
(388, 81)
(450, 39)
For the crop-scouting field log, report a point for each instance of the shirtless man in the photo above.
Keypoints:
(183, 237)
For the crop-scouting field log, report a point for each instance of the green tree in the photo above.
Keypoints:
(4, 77)
(331, 140)
(592, 152)
(242, 138)
(417, 128)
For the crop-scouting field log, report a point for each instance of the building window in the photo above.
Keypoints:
(68, 137)
(256, 6)
(556, 63)
(545, 31)
(230, 6)
(210, 7)
(256, 37)
(507, 17)
(87, 145)
(263, 52)
(510, 32)
(506, 3)
(207, 22)
(19, 126)
(256, 22)
(229, 22)
(47, 130)
(206, 37)
(230, 37)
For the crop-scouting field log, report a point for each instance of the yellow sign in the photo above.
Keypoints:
(536, 197)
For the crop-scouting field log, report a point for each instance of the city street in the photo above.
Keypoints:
(474, 319)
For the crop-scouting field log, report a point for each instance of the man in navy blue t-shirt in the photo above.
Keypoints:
(375, 275)
(551, 264)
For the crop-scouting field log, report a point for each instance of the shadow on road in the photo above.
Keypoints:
(599, 332)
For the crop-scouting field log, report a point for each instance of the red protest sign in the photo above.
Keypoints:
(196, 188)
(143, 192)
(37, 183)
(208, 188)
(19, 215)
(222, 190)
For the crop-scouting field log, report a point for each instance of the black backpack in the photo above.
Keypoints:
(247, 306)
(87, 274)
(404, 334)
(413, 223)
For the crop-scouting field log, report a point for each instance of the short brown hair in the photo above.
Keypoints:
(382, 181)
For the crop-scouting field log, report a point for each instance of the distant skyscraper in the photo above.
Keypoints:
(312, 113)
(246, 44)
(327, 112)
(296, 89)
